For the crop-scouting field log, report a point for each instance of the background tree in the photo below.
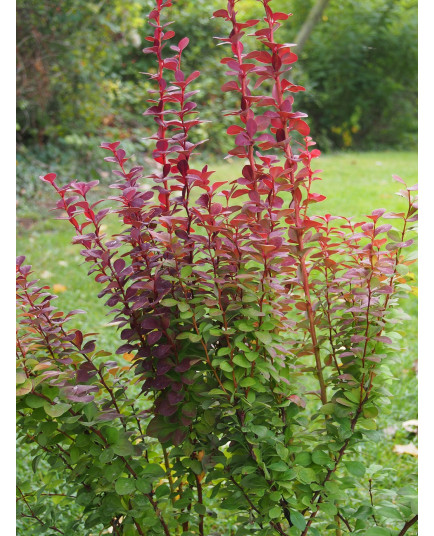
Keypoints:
(312, 20)
(78, 62)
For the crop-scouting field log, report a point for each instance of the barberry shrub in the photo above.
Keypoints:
(254, 348)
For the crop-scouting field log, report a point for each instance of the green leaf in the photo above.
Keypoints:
(216, 392)
(200, 508)
(355, 468)
(241, 361)
(254, 481)
(144, 485)
(320, 457)
(186, 271)
(306, 474)
(21, 377)
(162, 491)
(106, 455)
(328, 409)
(370, 413)
(278, 466)
(244, 326)
(329, 509)
(260, 430)
(344, 402)
(353, 395)
(264, 337)
(111, 434)
(226, 366)
(390, 513)
(154, 469)
(111, 471)
(282, 451)
(125, 486)
(251, 397)
(275, 512)
(275, 496)
(196, 467)
(183, 307)
(394, 236)
(129, 530)
(169, 302)
(123, 447)
(74, 453)
(34, 401)
(297, 520)
(35, 462)
(24, 388)
(377, 531)
(56, 410)
(247, 382)
(369, 424)
(194, 337)
(303, 458)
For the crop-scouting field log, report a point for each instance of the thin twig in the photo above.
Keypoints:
(408, 525)
(340, 516)
(34, 516)
(200, 501)
(372, 499)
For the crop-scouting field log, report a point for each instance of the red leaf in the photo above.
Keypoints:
(234, 129)
(183, 43)
(168, 35)
(221, 13)
(251, 127)
(302, 127)
(50, 178)
(281, 16)
(192, 76)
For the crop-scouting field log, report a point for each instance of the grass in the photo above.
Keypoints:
(355, 184)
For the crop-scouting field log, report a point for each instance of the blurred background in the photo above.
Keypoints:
(79, 80)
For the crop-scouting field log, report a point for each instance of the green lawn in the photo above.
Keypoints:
(355, 184)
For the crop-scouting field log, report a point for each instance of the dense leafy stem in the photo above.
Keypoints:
(253, 355)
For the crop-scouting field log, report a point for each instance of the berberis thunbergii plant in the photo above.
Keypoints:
(253, 358)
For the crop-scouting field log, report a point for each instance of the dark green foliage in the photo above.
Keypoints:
(360, 69)
(78, 62)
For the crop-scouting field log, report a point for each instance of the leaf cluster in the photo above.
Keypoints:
(254, 335)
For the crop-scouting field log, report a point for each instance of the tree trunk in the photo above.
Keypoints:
(309, 24)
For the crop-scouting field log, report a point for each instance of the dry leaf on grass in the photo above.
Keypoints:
(411, 426)
(58, 287)
(406, 449)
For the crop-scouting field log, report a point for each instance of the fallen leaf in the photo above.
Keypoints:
(411, 426)
(46, 274)
(406, 449)
(58, 287)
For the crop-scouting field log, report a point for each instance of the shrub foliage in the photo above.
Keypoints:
(254, 334)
